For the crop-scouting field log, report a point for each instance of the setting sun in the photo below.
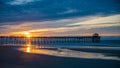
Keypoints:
(27, 34)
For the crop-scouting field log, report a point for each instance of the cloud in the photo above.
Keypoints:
(19, 2)
(42, 10)
(99, 22)
(65, 26)
(69, 11)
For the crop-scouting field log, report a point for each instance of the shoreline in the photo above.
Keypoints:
(11, 58)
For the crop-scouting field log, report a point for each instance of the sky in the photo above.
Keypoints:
(60, 17)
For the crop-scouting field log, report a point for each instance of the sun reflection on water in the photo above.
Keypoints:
(28, 49)
(66, 53)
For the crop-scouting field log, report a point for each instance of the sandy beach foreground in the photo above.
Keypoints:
(12, 58)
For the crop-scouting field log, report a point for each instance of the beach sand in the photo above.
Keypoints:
(11, 58)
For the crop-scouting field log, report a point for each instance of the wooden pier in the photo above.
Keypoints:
(49, 40)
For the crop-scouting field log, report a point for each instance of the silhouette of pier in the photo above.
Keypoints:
(49, 40)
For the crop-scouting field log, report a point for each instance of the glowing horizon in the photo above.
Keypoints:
(27, 34)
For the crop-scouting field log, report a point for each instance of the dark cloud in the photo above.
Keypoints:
(42, 10)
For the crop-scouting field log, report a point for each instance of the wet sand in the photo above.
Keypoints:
(104, 51)
(11, 58)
